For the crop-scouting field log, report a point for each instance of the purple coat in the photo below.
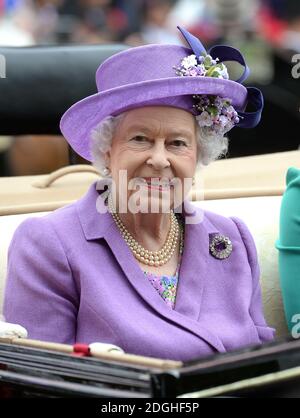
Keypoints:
(72, 277)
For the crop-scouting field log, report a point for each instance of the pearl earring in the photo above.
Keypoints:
(106, 171)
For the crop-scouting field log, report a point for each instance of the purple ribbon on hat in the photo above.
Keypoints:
(228, 53)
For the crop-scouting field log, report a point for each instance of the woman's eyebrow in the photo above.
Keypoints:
(147, 130)
(186, 134)
(139, 128)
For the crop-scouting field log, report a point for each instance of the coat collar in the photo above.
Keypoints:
(93, 215)
(95, 219)
(193, 269)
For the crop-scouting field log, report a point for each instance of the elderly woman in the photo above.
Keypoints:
(134, 263)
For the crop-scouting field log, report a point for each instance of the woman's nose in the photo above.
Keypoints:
(158, 157)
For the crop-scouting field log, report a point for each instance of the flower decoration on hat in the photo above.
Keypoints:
(215, 114)
(204, 66)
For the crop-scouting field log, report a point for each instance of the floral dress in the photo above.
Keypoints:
(165, 285)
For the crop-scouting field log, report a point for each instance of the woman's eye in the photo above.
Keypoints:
(139, 138)
(179, 143)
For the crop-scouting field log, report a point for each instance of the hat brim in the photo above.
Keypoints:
(79, 120)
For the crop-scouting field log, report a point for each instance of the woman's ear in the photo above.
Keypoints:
(106, 170)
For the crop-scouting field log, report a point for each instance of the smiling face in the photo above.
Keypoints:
(154, 145)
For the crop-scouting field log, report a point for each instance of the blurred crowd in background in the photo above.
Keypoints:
(266, 31)
(28, 22)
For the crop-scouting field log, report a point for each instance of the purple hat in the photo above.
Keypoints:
(161, 75)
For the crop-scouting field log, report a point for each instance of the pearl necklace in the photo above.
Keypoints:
(151, 258)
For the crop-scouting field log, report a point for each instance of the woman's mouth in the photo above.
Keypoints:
(157, 184)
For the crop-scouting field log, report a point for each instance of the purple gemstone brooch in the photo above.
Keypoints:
(220, 246)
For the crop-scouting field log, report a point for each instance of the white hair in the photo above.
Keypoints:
(210, 146)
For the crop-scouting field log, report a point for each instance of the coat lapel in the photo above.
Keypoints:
(192, 273)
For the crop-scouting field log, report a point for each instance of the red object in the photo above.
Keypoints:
(2, 7)
(270, 26)
(81, 350)
(116, 20)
